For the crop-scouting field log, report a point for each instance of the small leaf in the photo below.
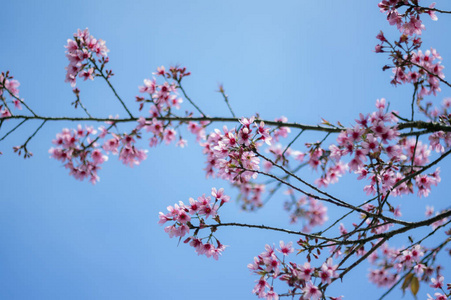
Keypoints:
(216, 218)
(325, 122)
(414, 286)
(407, 281)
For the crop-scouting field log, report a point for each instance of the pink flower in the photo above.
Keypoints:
(431, 13)
(183, 217)
(182, 143)
(87, 74)
(264, 132)
(259, 288)
(438, 296)
(169, 135)
(98, 158)
(209, 210)
(437, 283)
(311, 291)
(286, 249)
(306, 271)
(149, 86)
(271, 295)
(160, 71)
(219, 195)
(163, 218)
(244, 136)
(272, 264)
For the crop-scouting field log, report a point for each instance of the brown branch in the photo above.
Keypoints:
(408, 227)
(340, 203)
(429, 126)
(111, 86)
(189, 99)
(310, 236)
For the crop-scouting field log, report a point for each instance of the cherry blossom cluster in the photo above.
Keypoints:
(430, 212)
(310, 210)
(390, 263)
(424, 70)
(278, 154)
(198, 129)
(428, 73)
(300, 278)
(377, 153)
(124, 145)
(440, 114)
(251, 195)
(162, 132)
(162, 96)
(231, 152)
(80, 52)
(279, 132)
(83, 157)
(8, 86)
(184, 216)
(81, 152)
(409, 22)
(78, 151)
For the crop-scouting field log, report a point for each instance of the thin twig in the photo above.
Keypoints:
(34, 133)
(226, 99)
(291, 143)
(20, 100)
(189, 99)
(12, 130)
(111, 86)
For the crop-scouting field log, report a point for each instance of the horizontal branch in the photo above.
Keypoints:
(310, 236)
(429, 126)
(411, 225)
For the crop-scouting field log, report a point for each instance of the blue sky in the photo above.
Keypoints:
(64, 239)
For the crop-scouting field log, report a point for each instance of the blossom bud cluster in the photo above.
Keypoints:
(78, 152)
(409, 22)
(10, 86)
(428, 74)
(422, 70)
(163, 99)
(231, 152)
(80, 52)
(81, 153)
(251, 195)
(124, 146)
(312, 211)
(377, 153)
(391, 262)
(162, 96)
(183, 216)
(299, 277)
(430, 213)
